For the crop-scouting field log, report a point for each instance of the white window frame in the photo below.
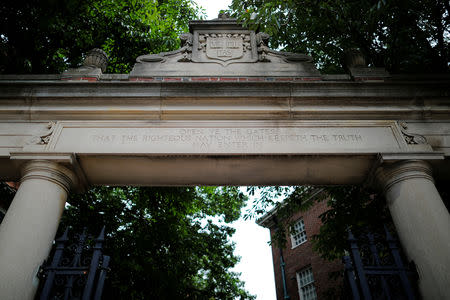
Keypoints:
(298, 231)
(302, 275)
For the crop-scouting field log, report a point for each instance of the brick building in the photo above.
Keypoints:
(306, 275)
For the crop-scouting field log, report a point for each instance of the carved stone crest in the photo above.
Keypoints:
(224, 47)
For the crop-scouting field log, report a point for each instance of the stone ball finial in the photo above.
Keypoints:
(224, 15)
(355, 58)
(96, 58)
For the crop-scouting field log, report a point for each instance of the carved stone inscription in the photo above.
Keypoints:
(227, 140)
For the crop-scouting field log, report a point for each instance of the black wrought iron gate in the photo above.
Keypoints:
(77, 270)
(374, 268)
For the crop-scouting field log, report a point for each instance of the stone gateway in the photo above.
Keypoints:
(224, 109)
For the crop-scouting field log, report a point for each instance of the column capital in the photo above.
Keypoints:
(49, 170)
(389, 174)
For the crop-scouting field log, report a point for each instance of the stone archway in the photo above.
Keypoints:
(223, 109)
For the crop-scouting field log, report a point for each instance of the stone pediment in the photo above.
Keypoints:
(222, 47)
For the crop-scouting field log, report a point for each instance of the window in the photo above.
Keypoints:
(298, 234)
(306, 287)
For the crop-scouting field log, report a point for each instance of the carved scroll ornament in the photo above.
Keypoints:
(43, 137)
(411, 138)
(185, 51)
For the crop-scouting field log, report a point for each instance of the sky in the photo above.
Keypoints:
(251, 240)
(255, 266)
(212, 7)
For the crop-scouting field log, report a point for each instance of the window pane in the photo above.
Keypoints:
(306, 287)
(298, 235)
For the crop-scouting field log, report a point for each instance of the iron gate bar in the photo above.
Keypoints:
(392, 243)
(60, 242)
(101, 278)
(373, 249)
(350, 271)
(359, 267)
(94, 264)
(360, 270)
(73, 268)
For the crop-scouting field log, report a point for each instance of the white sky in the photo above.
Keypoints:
(256, 263)
(213, 7)
(251, 240)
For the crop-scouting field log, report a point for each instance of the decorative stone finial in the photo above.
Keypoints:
(96, 58)
(354, 58)
(356, 64)
(93, 66)
(223, 15)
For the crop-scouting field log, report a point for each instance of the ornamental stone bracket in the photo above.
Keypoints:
(222, 47)
(67, 160)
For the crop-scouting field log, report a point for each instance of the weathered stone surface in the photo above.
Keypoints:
(214, 137)
(366, 73)
(82, 72)
(96, 58)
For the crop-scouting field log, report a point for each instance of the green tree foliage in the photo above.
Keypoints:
(350, 207)
(162, 241)
(49, 36)
(293, 199)
(353, 207)
(404, 36)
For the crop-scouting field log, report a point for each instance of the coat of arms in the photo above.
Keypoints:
(224, 46)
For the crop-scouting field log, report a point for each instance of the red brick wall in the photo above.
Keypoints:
(303, 256)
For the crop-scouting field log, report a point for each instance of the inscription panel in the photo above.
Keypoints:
(225, 140)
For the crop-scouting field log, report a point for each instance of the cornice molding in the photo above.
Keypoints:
(132, 89)
(36, 101)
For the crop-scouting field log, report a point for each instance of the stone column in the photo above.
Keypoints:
(422, 222)
(30, 225)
